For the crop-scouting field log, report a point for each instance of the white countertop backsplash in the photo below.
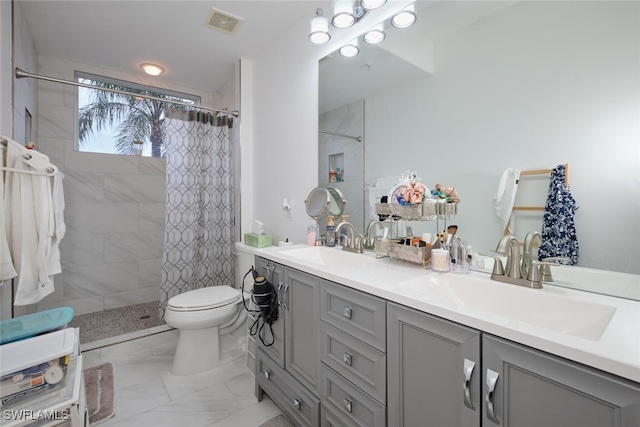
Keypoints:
(616, 351)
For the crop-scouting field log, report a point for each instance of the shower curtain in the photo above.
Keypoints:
(199, 226)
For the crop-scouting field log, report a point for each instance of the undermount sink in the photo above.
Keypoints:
(531, 306)
(329, 257)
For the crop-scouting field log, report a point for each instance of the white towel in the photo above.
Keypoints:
(30, 220)
(505, 196)
(7, 271)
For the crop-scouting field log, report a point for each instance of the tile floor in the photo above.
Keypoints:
(116, 321)
(147, 394)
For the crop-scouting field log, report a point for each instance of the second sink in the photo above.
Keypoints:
(328, 257)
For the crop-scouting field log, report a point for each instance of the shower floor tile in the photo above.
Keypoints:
(117, 321)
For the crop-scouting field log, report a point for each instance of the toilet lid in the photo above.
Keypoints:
(204, 298)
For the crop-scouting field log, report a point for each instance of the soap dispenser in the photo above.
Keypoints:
(331, 232)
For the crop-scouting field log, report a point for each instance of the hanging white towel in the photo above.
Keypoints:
(7, 271)
(505, 196)
(31, 218)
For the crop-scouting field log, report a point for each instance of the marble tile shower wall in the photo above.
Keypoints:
(347, 120)
(115, 207)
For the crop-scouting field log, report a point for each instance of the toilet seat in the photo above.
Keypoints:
(204, 299)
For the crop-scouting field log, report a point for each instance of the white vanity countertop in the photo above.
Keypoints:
(453, 297)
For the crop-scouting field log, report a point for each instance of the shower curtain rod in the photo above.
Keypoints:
(357, 138)
(22, 74)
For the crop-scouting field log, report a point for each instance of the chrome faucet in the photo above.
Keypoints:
(369, 242)
(514, 273)
(510, 247)
(353, 243)
(532, 238)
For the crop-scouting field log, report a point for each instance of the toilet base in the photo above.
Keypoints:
(198, 350)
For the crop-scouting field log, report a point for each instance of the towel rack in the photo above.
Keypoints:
(40, 165)
(537, 172)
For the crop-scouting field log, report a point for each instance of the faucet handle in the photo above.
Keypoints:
(359, 243)
(535, 275)
(545, 269)
(498, 269)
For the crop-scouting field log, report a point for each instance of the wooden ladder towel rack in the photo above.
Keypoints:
(537, 172)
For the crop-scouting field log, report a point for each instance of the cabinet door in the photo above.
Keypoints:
(433, 370)
(526, 387)
(302, 320)
(275, 274)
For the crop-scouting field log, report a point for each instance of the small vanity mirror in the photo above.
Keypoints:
(323, 201)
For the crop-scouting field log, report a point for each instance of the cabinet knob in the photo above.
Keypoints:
(348, 405)
(347, 312)
(492, 380)
(267, 374)
(348, 359)
(296, 404)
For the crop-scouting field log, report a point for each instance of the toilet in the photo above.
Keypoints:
(202, 316)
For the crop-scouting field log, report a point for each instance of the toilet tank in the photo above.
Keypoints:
(244, 261)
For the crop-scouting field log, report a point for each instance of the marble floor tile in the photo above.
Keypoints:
(251, 416)
(147, 394)
(179, 386)
(242, 387)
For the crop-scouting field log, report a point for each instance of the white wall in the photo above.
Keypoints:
(281, 123)
(509, 92)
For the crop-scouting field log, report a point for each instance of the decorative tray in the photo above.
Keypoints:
(393, 249)
(420, 211)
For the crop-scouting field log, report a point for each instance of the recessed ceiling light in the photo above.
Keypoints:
(152, 69)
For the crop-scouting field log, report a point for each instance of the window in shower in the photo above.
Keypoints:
(122, 122)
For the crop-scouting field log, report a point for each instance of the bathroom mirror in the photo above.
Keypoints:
(324, 201)
(475, 88)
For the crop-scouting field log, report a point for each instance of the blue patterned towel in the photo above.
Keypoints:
(558, 226)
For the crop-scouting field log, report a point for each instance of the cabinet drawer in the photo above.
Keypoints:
(358, 362)
(360, 315)
(329, 419)
(348, 402)
(286, 392)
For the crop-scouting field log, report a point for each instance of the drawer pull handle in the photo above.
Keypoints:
(492, 380)
(468, 372)
(296, 404)
(348, 359)
(347, 312)
(267, 374)
(348, 405)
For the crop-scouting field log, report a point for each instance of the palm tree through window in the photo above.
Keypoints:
(110, 122)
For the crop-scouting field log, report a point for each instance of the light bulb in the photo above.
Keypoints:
(372, 4)
(405, 18)
(350, 49)
(343, 14)
(319, 29)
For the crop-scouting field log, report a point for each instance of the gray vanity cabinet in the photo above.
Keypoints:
(524, 387)
(302, 318)
(288, 371)
(433, 370)
(353, 352)
(274, 272)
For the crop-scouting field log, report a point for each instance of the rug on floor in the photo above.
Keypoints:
(279, 421)
(99, 384)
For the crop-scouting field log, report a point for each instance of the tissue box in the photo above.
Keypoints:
(257, 240)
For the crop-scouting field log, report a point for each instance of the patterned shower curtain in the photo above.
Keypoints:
(199, 226)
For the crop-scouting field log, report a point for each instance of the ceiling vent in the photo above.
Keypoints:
(223, 21)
